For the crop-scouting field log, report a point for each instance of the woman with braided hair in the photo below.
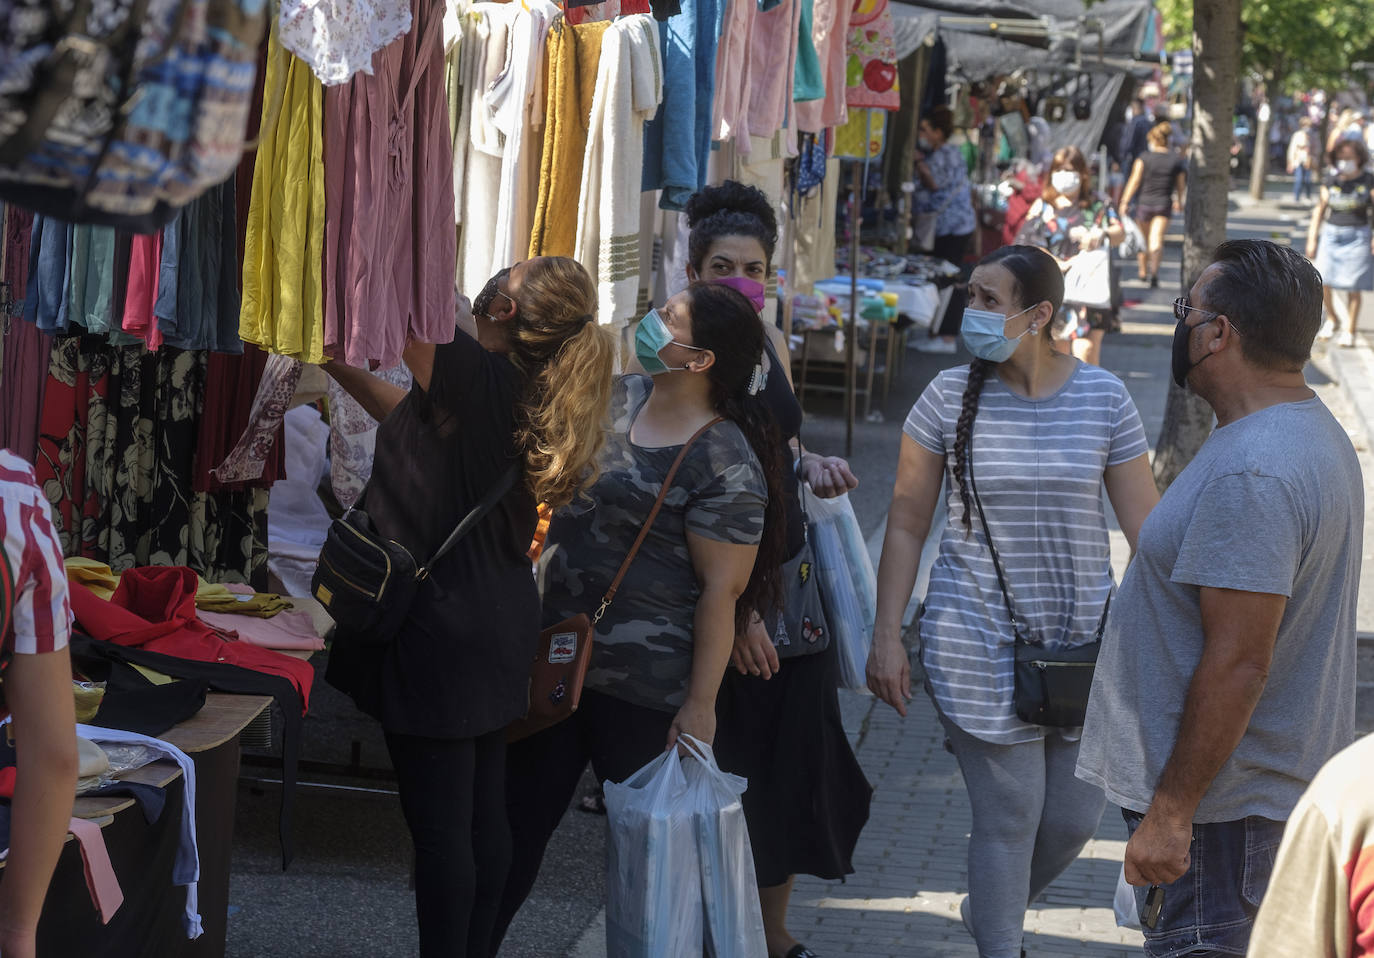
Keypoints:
(780, 723)
(1034, 434)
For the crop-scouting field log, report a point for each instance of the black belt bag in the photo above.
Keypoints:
(1051, 686)
(367, 582)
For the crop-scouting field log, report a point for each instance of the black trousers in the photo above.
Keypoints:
(453, 798)
(542, 772)
(953, 249)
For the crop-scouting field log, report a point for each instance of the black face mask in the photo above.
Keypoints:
(1181, 363)
(489, 292)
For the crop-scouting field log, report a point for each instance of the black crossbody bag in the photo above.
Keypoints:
(367, 582)
(1051, 687)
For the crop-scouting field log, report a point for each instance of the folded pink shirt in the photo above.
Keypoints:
(289, 630)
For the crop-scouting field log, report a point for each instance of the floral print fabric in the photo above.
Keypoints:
(116, 454)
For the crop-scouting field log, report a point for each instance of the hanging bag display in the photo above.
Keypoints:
(565, 650)
(1050, 686)
(119, 112)
(367, 582)
(1083, 98)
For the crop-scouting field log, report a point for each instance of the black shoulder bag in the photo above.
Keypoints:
(367, 582)
(1051, 687)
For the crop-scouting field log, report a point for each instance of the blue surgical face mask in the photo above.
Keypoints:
(985, 335)
(651, 338)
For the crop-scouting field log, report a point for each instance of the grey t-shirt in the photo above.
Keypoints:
(1273, 502)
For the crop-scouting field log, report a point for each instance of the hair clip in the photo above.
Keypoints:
(757, 379)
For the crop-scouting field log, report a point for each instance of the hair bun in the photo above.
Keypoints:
(731, 196)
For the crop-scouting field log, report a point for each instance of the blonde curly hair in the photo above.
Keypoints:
(569, 362)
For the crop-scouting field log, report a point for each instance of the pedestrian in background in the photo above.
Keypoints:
(779, 717)
(942, 190)
(1320, 902)
(1044, 431)
(1156, 185)
(1072, 218)
(35, 624)
(1339, 239)
(1302, 160)
(1227, 672)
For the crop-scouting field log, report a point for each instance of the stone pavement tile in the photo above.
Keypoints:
(910, 871)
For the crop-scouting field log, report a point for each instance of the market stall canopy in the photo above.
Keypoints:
(1045, 40)
(1031, 32)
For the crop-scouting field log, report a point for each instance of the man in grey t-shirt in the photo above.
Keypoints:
(1227, 673)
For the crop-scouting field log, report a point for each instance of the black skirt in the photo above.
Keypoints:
(808, 798)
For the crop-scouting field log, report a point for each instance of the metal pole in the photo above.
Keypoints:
(851, 330)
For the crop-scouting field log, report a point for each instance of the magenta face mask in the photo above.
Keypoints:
(751, 289)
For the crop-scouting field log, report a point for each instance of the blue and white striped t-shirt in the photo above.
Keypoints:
(1038, 465)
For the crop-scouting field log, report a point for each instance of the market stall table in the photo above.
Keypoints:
(150, 920)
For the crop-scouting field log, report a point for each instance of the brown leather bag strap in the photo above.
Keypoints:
(648, 522)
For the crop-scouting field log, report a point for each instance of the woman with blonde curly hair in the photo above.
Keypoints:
(526, 381)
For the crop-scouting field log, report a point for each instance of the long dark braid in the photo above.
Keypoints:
(963, 433)
(1038, 279)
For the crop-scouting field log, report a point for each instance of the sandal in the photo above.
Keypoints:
(801, 951)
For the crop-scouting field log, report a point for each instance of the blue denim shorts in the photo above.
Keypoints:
(1211, 909)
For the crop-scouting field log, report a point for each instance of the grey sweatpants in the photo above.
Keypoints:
(1031, 818)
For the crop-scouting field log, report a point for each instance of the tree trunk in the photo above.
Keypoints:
(1216, 52)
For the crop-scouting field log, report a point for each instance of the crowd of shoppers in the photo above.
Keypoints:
(1246, 543)
(1236, 613)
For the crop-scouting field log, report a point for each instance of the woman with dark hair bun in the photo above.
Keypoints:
(707, 562)
(1045, 431)
(780, 724)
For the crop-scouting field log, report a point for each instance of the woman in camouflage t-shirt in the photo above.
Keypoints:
(710, 559)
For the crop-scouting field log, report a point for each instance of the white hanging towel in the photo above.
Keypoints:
(629, 88)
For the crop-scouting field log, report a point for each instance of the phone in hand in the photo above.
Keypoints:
(1154, 904)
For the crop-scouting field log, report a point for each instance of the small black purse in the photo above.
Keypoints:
(367, 582)
(1050, 686)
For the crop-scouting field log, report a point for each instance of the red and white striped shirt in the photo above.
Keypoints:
(41, 620)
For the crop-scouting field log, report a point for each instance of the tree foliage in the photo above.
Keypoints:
(1299, 44)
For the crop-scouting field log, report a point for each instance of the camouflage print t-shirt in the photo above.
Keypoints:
(643, 648)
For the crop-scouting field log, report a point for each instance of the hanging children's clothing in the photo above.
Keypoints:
(574, 53)
(629, 88)
(284, 247)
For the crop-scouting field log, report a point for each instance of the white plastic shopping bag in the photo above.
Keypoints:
(653, 867)
(729, 889)
(849, 586)
(1123, 904)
